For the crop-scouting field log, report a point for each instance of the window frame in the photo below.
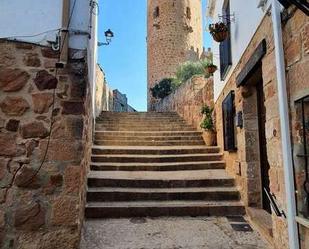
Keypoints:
(225, 47)
(228, 120)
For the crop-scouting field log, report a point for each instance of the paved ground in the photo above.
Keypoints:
(168, 233)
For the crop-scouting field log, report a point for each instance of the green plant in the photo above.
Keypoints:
(207, 123)
(207, 63)
(188, 69)
(217, 28)
(162, 89)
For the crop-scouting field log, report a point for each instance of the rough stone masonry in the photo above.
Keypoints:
(41, 205)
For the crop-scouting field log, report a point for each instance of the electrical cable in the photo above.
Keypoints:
(29, 36)
(53, 104)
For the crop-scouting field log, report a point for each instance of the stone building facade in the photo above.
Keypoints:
(174, 36)
(255, 138)
(45, 142)
(46, 117)
(256, 158)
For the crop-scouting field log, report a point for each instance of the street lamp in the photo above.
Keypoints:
(108, 35)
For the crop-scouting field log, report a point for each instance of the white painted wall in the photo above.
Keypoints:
(23, 19)
(30, 17)
(247, 19)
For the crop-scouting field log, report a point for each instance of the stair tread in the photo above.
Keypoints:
(162, 190)
(161, 175)
(156, 156)
(156, 164)
(175, 203)
(172, 147)
(153, 132)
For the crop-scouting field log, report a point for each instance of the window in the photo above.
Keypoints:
(156, 12)
(225, 46)
(301, 159)
(188, 13)
(229, 128)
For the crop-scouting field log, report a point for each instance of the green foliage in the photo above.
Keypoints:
(207, 63)
(217, 27)
(162, 89)
(184, 72)
(188, 69)
(207, 123)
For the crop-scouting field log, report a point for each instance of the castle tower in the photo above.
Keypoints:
(175, 35)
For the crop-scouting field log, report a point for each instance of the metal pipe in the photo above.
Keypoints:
(64, 47)
(285, 128)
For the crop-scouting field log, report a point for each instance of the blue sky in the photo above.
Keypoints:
(125, 59)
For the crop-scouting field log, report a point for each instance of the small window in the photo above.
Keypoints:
(188, 13)
(229, 128)
(156, 12)
(301, 158)
(225, 46)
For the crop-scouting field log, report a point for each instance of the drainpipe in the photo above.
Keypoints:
(64, 47)
(285, 128)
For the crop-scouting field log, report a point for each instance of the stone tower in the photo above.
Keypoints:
(175, 35)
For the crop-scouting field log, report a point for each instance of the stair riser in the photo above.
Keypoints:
(143, 134)
(122, 212)
(123, 183)
(150, 125)
(155, 160)
(147, 128)
(158, 168)
(148, 143)
(125, 196)
(141, 139)
(139, 121)
(153, 152)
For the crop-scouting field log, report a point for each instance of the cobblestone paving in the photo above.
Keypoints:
(168, 233)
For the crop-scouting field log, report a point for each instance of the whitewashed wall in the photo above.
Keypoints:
(30, 17)
(22, 19)
(247, 19)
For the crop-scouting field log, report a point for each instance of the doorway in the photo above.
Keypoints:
(264, 164)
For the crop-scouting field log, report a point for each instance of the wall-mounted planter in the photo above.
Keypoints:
(219, 31)
(211, 69)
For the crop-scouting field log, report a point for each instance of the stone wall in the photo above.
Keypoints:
(174, 36)
(188, 100)
(47, 119)
(244, 164)
(104, 95)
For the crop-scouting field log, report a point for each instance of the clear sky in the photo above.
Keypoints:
(125, 59)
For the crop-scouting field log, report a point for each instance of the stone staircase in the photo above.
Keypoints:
(154, 164)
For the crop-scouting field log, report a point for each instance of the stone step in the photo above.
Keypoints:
(144, 128)
(157, 166)
(157, 158)
(147, 138)
(144, 125)
(155, 150)
(102, 128)
(164, 194)
(149, 133)
(138, 114)
(158, 179)
(149, 143)
(140, 120)
(163, 208)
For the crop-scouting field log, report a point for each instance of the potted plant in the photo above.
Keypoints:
(210, 68)
(219, 31)
(208, 126)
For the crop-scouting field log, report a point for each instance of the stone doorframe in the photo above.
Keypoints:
(248, 136)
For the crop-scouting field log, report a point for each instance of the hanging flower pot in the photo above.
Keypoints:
(210, 68)
(219, 31)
